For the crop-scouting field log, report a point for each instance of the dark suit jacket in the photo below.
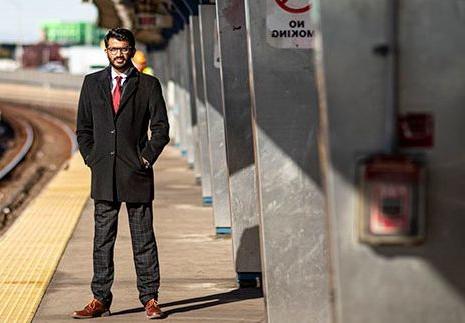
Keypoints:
(112, 144)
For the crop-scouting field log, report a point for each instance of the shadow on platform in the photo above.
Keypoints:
(236, 295)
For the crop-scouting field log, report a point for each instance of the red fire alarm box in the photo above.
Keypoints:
(391, 200)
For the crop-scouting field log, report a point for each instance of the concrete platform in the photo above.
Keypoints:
(197, 275)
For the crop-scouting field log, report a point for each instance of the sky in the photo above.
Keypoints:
(21, 19)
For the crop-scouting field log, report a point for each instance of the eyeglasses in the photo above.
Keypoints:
(114, 50)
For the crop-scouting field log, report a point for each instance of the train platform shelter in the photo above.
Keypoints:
(326, 136)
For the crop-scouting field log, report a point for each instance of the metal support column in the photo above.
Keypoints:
(239, 142)
(215, 123)
(185, 92)
(291, 208)
(420, 283)
(197, 78)
(173, 107)
(181, 93)
(195, 148)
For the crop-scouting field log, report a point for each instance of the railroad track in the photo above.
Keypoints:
(43, 143)
(24, 138)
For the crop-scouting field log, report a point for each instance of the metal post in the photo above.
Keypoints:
(173, 111)
(394, 283)
(211, 73)
(197, 77)
(185, 94)
(292, 216)
(195, 148)
(180, 94)
(239, 142)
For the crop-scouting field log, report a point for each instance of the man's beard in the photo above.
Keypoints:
(125, 63)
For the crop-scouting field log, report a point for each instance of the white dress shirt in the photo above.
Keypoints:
(114, 74)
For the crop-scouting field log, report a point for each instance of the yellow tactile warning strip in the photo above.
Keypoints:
(31, 249)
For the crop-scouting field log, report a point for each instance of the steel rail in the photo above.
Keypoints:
(22, 153)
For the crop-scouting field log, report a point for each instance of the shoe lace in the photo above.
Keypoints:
(152, 302)
(92, 305)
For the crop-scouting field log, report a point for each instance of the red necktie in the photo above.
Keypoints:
(117, 93)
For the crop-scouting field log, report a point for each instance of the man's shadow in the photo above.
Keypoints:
(207, 301)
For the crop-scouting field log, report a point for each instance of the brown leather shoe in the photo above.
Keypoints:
(152, 309)
(94, 309)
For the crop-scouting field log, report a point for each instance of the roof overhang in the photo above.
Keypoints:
(152, 21)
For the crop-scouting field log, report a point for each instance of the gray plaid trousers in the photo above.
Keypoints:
(144, 248)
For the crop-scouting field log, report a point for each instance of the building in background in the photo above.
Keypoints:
(42, 53)
(72, 33)
(73, 47)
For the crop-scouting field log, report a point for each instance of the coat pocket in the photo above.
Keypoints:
(90, 158)
(139, 157)
(93, 157)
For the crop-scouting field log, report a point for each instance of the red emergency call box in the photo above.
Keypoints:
(391, 200)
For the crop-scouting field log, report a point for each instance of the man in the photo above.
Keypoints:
(115, 109)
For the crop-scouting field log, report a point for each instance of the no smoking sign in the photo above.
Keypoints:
(288, 23)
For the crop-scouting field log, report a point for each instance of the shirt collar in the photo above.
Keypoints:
(124, 74)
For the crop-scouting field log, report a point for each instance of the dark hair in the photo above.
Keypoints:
(121, 34)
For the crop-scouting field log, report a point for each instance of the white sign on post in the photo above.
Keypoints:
(288, 23)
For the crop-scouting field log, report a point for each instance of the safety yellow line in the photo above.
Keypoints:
(31, 249)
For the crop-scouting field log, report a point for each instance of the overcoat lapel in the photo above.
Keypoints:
(105, 89)
(132, 82)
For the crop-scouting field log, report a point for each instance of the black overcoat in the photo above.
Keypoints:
(113, 145)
